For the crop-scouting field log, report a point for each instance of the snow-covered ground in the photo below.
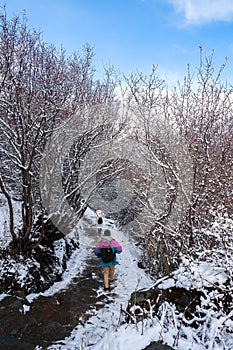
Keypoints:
(103, 326)
(105, 330)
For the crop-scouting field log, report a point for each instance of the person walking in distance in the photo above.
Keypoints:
(99, 217)
(106, 250)
(99, 220)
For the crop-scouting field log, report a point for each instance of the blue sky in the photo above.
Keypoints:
(134, 34)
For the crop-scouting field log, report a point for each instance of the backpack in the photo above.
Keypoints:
(107, 254)
(99, 221)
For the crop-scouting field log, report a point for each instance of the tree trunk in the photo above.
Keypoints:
(11, 212)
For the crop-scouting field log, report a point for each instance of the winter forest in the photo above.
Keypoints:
(157, 160)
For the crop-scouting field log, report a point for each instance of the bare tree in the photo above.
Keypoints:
(204, 117)
(184, 138)
(40, 89)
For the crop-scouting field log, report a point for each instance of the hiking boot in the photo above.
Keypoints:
(111, 281)
(106, 289)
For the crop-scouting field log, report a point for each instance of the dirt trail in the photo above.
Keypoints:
(52, 318)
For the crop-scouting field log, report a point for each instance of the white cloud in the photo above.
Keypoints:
(203, 11)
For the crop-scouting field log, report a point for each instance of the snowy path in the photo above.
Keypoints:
(128, 279)
(72, 309)
(71, 316)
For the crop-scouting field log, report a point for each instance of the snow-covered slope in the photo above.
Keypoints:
(105, 329)
(128, 279)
